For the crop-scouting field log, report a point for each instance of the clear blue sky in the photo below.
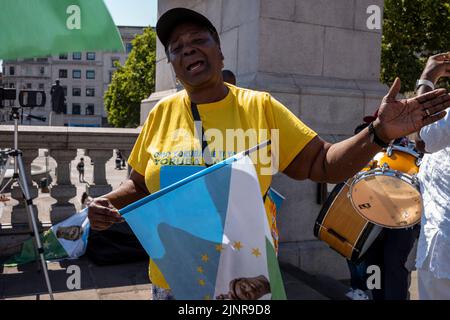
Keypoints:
(133, 12)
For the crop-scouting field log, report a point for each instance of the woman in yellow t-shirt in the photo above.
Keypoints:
(234, 119)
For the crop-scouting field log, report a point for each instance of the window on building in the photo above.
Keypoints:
(62, 73)
(63, 56)
(129, 47)
(29, 86)
(76, 56)
(41, 71)
(27, 70)
(76, 108)
(76, 74)
(90, 74)
(110, 76)
(76, 92)
(12, 70)
(41, 86)
(12, 85)
(90, 92)
(65, 90)
(42, 59)
(90, 110)
(113, 61)
(90, 55)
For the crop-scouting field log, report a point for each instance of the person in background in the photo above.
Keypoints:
(80, 168)
(119, 160)
(85, 200)
(433, 249)
(389, 251)
(229, 77)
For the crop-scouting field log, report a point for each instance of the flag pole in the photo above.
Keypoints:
(175, 185)
(257, 147)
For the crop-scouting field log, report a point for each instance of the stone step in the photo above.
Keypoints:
(130, 281)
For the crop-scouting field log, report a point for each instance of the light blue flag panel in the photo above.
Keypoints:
(181, 227)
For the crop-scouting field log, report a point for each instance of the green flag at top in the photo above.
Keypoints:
(35, 28)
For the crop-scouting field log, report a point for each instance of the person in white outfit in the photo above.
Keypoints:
(433, 250)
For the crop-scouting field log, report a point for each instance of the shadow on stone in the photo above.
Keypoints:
(26, 280)
(322, 287)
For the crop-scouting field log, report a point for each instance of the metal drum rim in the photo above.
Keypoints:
(405, 150)
(385, 172)
(391, 173)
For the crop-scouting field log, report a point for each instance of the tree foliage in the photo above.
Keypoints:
(132, 82)
(413, 30)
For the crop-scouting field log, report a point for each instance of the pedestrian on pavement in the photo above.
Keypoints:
(80, 168)
(119, 160)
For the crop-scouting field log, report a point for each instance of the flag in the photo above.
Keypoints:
(276, 198)
(36, 28)
(209, 235)
(64, 240)
(274, 204)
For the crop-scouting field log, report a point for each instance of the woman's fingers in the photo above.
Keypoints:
(102, 214)
(438, 101)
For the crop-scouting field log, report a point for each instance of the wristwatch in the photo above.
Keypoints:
(423, 82)
(374, 138)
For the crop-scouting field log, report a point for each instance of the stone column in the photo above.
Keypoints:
(100, 185)
(63, 190)
(19, 215)
(322, 62)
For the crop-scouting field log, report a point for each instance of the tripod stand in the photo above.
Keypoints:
(20, 176)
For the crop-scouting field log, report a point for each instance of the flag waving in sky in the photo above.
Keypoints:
(36, 28)
(209, 235)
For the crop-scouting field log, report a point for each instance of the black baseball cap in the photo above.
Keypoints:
(172, 18)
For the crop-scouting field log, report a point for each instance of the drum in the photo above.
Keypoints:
(342, 228)
(388, 194)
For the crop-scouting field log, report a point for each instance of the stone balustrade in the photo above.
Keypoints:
(62, 144)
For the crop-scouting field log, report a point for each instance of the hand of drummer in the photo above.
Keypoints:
(438, 66)
(399, 118)
(102, 214)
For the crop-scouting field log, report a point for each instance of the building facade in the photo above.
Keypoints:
(85, 76)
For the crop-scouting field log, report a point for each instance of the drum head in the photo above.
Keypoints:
(387, 201)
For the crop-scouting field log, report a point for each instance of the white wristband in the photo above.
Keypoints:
(423, 82)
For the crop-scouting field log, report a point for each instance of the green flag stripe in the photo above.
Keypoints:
(33, 28)
(52, 250)
(276, 281)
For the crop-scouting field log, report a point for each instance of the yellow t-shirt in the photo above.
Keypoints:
(243, 119)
